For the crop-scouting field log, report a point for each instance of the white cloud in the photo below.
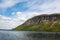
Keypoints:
(9, 3)
(47, 6)
(26, 15)
(9, 23)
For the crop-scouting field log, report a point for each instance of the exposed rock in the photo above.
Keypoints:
(41, 18)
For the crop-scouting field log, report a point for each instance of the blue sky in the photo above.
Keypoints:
(16, 12)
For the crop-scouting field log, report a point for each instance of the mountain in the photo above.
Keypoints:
(42, 23)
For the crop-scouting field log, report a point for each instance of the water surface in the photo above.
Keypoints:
(29, 35)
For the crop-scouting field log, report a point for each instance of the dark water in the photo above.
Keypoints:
(29, 35)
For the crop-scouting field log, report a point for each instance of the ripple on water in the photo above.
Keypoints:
(29, 35)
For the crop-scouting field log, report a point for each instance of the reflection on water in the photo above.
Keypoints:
(29, 35)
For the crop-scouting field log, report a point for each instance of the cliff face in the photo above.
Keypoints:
(43, 18)
(42, 23)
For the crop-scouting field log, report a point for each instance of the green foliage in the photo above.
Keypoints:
(44, 26)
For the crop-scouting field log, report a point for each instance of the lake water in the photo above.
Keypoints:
(29, 35)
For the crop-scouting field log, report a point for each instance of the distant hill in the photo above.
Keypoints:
(42, 23)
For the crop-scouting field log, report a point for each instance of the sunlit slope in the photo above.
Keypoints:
(42, 23)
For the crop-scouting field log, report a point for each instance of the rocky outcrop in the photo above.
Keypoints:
(41, 18)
